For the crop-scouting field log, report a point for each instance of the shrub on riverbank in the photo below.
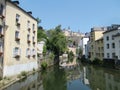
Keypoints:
(97, 61)
(44, 65)
(70, 56)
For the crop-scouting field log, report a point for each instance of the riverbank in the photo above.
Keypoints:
(7, 81)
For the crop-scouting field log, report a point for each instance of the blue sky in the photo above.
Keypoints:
(77, 14)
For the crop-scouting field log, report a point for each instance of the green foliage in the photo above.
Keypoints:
(33, 69)
(70, 56)
(38, 20)
(19, 76)
(80, 52)
(44, 65)
(44, 50)
(41, 35)
(0, 78)
(24, 73)
(97, 61)
(56, 41)
(51, 56)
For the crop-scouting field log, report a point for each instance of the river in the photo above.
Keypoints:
(75, 78)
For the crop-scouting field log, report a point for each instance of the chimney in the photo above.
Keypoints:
(16, 2)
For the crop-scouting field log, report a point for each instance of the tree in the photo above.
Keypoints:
(41, 35)
(56, 42)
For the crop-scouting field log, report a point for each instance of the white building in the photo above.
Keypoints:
(83, 45)
(112, 43)
(40, 46)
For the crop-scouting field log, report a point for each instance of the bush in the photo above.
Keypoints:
(97, 61)
(51, 56)
(33, 69)
(19, 76)
(44, 65)
(70, 56)
(24, 73)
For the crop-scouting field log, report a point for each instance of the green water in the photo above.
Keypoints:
(74, 78)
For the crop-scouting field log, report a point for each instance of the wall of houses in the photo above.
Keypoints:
(20, 51)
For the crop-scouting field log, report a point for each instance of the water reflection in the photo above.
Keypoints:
(77, 78)
(102, 79)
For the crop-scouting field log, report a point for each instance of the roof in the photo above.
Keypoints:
(111, 28)
(109, 31)
(116, 35)
(21, 9)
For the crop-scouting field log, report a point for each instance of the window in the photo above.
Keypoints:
(17, 38)
(33, 27)
(28, 38)
(17, 18)
(33, 53)
(112, 37)
(16, 52)
(107, 46)
(107, 38)
(28, 52)
(113, 45)
(16, 34)
(33, 39)
(108, 55)
(28, 24)
(113, 55)
(1, 9)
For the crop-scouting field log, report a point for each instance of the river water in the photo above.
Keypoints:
(73, 78)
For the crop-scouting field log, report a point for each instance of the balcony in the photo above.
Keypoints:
(33, 31)
(34, 42)
(17, 22)
(28, 55)
(29, 29)
(17, 39)
(28, 41)
(33, 56)
(17, 54)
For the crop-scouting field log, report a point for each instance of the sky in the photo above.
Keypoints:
(79, 15)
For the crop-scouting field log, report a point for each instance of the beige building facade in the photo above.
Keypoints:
(20, 40)
(95, 34)
(99, 49)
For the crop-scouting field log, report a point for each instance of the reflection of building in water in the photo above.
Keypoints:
(85, 79)
(112, 82)
(96, 78)
(72, 73)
